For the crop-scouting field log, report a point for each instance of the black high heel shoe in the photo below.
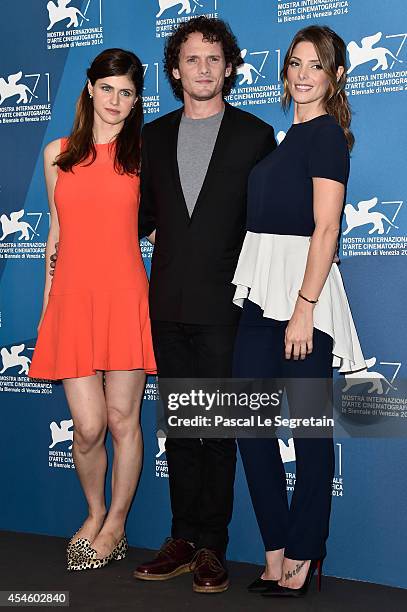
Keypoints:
(279, 591)
(261, 585)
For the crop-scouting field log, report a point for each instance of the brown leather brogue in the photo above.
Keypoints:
(173, 558)
(210, 574)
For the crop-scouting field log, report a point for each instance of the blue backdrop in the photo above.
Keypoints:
(44, 52)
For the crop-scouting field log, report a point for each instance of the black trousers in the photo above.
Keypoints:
(201, 472)
(301, 528)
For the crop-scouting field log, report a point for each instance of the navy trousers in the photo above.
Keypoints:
(301, 528)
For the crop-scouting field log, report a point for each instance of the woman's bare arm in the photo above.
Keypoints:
(327, 203)
(51, 151)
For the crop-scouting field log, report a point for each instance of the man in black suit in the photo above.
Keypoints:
(195, 166)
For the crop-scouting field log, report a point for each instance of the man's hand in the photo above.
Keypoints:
(53, 260)
(151, 237)
(336, 255)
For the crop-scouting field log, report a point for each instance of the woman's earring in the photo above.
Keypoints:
(90, 95)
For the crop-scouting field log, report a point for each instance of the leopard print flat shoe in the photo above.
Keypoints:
(90, 561)
(78, 549)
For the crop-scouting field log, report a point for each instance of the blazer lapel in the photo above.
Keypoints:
(173, 142)
(225, 130)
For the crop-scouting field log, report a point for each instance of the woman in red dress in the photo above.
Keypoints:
(94, 331)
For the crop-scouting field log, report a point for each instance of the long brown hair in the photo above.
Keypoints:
(331, 51)
(81, 145)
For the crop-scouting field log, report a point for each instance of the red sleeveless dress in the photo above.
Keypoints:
(97, 316)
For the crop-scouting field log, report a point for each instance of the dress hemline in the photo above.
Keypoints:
(148, 371)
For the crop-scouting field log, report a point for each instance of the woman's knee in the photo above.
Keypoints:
(89, 435)
(122, 423)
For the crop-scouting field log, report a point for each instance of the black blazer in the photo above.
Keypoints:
(195, 257)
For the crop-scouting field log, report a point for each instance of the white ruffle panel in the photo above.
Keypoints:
(270, 272)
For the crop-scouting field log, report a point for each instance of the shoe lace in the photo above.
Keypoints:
(204, 556)
(168, 548)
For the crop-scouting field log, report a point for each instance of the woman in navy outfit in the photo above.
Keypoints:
(296, 322)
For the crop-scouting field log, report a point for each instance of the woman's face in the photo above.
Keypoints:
(307, 82)
(113, 98)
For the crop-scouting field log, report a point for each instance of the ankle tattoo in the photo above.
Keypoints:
(295, 571)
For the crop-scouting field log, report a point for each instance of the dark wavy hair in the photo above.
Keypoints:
(331, 51)
(81, 145)
(212, 30)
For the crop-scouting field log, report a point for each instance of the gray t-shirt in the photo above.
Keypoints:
(196, 141)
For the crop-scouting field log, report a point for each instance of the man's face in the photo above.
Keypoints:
(202, 68)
